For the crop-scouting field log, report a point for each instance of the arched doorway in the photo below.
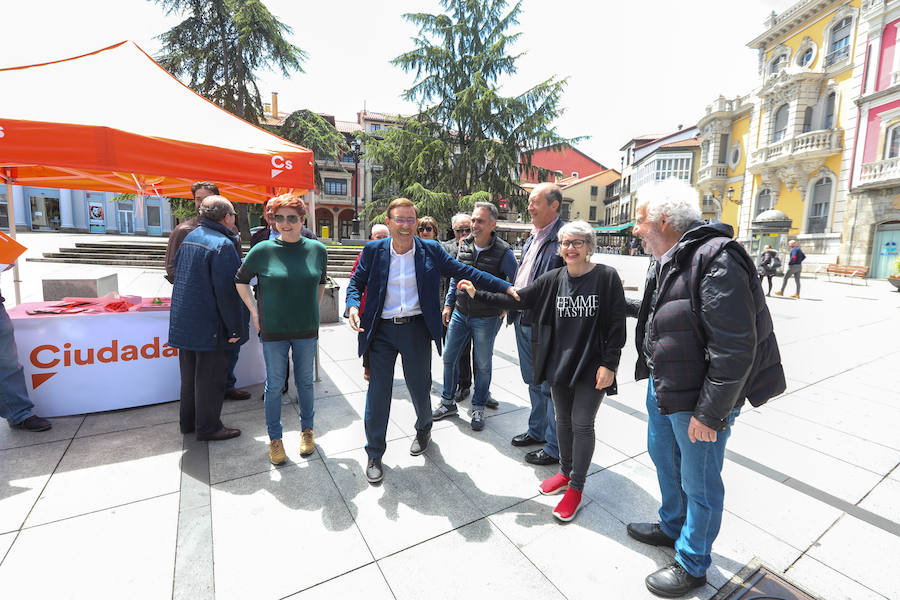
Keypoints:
(324, 224)
(345, 220)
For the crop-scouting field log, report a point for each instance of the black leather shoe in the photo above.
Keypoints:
(673, 581)
(374, 472)
(225, 433)
(523, 439)
(33, 423)
(650, 533)
(237, 394)
(491, 403)
(462, 394)
(420, 443)
(539, 457)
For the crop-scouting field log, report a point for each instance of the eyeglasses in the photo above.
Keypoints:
(427, 228)
(466, 230)
(292, 219)
(574, 243)
(403, 221)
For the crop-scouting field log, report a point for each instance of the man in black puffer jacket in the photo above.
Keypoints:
(705, 340)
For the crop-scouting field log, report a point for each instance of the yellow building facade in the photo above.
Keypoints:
(777, 160)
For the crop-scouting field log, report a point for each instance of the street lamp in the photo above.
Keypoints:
(355, 151)
(729, 194)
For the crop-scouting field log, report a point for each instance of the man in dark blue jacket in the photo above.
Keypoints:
(795, 266)
(207, 319)
(401, 277)
(538, 256)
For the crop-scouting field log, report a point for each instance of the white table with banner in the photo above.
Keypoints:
(91, 362)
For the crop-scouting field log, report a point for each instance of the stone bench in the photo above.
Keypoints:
(81, 287)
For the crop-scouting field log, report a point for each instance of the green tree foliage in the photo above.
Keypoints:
(311, 131)
(468, 138)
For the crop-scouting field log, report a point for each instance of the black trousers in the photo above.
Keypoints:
(202, 390)
(576, 408)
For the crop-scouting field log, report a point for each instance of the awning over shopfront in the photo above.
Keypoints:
(622, 229)
(153, 136)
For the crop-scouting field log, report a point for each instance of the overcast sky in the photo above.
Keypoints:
(633, 67)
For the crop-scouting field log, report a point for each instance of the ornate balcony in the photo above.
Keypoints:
(712, 176)
(806, 146)
(880, 174)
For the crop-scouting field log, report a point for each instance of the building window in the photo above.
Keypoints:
(594, 190)
(335, 187)
(723, 148)
(347, 158)
(593, 213)
(763, 201)
(709, 203)
(829, 112)
(807, 119)
(574, 173)
(821, 201)
(735, 157)
(779, 126)
(840, 41)
(374, 126)
(777, 64)
(705, 152)
(893, 144)
(564, 212)
(805, 57)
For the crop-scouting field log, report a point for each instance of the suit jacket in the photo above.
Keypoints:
(431, 261)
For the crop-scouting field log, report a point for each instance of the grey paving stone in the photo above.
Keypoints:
(122, 552)
(590, 557)
(403, 413)
(340, 378)
(624, 432)
(6, 541)
(629, 491)
(194, 556)
(130, 418)
(64, 428)
(248, 454)
(340, 426)
(414, 492)
(338, 342)
(23, 474)
(282, 531)
(114, 468)
(828, 583)
(365, 582)
(824, 472)
(857, 550)
(484, 548)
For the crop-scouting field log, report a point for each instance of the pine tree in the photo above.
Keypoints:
(311, 131)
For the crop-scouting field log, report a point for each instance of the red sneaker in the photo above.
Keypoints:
(554, 485)
(568, 506)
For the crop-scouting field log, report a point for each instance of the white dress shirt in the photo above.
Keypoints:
(402, 296)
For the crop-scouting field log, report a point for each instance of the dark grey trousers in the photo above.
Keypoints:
(202, 390)
(792, 271)
(576, 410)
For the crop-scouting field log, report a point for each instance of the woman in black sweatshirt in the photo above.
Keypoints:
(577, 337)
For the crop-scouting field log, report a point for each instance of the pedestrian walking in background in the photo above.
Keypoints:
(768, 265)
(291, 271)
(207, 320)
(577, 335)
(795, 267)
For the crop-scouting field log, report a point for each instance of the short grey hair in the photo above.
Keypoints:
(673, 197)
(579, 229)
(457, 217)
(488, 206)
(379, 226)
(216, 208)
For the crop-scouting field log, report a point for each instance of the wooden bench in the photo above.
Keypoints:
(851, 271)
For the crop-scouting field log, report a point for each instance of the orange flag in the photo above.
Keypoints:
(10, 250)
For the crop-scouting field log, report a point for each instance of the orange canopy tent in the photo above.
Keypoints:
(155, 137)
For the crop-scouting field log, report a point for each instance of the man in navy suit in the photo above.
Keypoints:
(401, 276)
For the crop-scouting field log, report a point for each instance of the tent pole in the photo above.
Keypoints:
(11, 212)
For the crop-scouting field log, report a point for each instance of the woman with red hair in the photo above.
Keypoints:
(291, 272)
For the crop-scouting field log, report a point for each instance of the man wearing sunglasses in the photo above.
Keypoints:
(401, 277)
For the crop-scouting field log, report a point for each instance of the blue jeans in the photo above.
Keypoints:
(15, 406)
(542, 420)
(690, 480)
(230, 379)
(276, 357)
(482, 331)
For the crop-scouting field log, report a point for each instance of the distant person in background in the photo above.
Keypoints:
(768, 265)
(795, 266)
(270, 232)
(15, 405)
(201, 190)
(207, 319)
(379, 232)
(427, 229)
(291, 271)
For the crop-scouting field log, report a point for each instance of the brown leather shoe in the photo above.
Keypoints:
(225, 433)
(237, 394)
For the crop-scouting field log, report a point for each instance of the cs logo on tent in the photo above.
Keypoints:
(280, 165)
(1, 132)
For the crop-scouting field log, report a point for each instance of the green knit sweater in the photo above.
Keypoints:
(289, 275)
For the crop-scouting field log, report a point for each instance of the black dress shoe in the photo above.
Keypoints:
(237, 394)
(539, 457)
(420, 443)
(673, 581)
(374, 472)
(223, 434)
(462, 394)
(650, 533)
(491, 403)
(523, 439)
(33, 423)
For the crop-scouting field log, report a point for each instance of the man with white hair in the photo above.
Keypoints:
(705, 341)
